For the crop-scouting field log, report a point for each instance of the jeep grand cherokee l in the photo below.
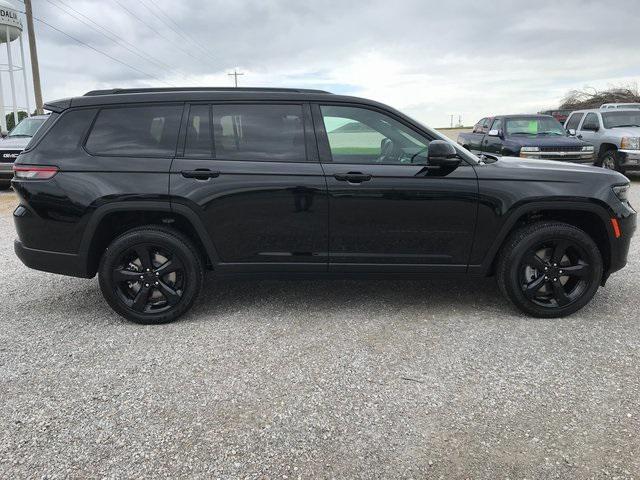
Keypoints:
(150, 188)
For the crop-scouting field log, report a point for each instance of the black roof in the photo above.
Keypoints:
(120, 91)
(197, 94)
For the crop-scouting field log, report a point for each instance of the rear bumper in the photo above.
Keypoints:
(629, 159)
(53, 262)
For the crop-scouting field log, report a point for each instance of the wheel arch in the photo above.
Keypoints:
(110, 220)
(605, 147)
(591, 217)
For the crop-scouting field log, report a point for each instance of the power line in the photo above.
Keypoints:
(152, 28)
(113, 37)
(179, 30)
(100, 51)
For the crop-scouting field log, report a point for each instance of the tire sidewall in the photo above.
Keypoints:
(177, 247)
(610, 154)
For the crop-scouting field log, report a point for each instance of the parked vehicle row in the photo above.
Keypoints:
(608, 137)
(526, 136)
(150, 188)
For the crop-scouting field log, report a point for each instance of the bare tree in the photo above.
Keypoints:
(590, 97)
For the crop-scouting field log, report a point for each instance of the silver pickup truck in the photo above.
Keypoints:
(615, 134)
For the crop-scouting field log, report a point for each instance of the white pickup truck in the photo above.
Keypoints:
(615, 134)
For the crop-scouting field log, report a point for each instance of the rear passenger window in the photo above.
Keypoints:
(259, 133)
(199, 142)
(573, 121)
(145, 131)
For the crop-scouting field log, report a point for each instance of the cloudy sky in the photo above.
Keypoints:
(428, 58)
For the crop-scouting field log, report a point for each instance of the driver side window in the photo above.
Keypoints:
(360, 135)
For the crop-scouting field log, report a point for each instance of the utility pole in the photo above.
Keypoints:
(35, 70)
(235, 76)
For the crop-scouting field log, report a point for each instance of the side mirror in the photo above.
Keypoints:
(494, 133)
(572, 132)
(442, 154)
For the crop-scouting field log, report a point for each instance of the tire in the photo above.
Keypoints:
(609, 160)
(160, 294)
(5, 185)
(553, 292)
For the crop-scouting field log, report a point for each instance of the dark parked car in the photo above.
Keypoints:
(150, 188)
(16, 141)
(527, 136)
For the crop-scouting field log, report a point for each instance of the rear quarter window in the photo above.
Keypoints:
(64, 137)
(145, 131)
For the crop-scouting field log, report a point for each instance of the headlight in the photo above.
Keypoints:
(630, 143)
(621, 191)
(530, 149)
(588, 148)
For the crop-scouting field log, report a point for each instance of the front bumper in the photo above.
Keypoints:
(629, 159)
(620, 246)
(573, 157)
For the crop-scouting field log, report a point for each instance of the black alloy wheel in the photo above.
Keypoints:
(149, 279)
(554, 273)
(549, 269)
(151, 274)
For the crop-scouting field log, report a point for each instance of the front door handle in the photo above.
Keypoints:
(200, 173)
(352, 177)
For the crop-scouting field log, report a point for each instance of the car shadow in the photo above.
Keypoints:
(222, 297)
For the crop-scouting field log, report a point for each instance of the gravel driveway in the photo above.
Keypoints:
(307, 379)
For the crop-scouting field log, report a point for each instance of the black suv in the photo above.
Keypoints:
(149, 188)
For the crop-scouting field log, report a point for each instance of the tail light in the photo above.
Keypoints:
(31, 172)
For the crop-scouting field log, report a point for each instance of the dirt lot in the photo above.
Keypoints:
(307, 379)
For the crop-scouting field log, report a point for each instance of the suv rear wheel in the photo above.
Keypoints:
(550, 269)
(151, 275)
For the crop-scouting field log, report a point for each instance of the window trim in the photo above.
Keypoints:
(323, 139)
(182, 141)
(100, 108)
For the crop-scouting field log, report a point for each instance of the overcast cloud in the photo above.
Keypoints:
(427, 58)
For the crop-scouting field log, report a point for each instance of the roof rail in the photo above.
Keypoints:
(116, 91)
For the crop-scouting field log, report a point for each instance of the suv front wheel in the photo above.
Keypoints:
(151, 275)
(609, 160)
(550, 269)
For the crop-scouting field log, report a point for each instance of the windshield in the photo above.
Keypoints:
(27, 127)
(534, 126)
(621, 119)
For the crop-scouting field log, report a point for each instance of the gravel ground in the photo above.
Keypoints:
(304, 379)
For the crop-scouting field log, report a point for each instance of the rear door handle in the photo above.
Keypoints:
(352, 177)
(200, 174)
